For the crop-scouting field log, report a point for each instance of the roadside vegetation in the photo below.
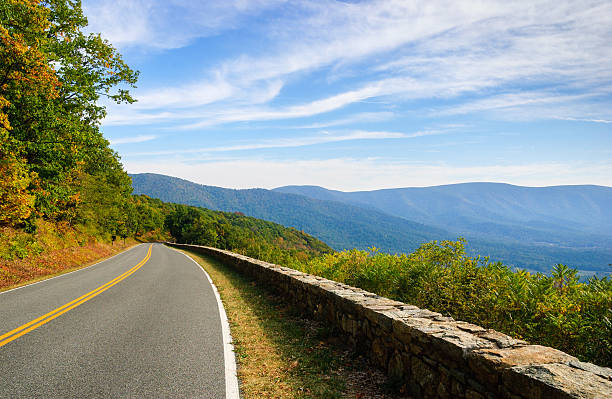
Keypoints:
(52, 250)
(554, 310)
(281, 355)
(557, 310)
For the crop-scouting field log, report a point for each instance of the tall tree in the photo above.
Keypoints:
(53, 77)
(26, 79)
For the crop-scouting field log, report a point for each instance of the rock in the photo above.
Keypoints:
(396, 366)
(522, 356)
(556, 380)
(423, 374)
(591, 368)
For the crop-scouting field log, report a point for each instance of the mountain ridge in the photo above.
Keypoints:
(345, 225)
(337, 224)
(581, 210)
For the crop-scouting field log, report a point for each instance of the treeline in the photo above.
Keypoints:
(55, 164)
(242, 234)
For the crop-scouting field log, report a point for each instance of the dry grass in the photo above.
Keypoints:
(282, 355)
(52, 251)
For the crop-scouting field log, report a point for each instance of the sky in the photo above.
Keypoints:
(363, 95)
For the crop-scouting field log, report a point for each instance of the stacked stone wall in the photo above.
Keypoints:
(434, 356)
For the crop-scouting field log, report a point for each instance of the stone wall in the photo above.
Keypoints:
(433, 355)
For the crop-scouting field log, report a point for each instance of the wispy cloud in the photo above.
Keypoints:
(403, 50)
(513, 100)
(356, 118)
(321, 138)
(316, 107)
(167, 24)
(606, 121)
(129, 140)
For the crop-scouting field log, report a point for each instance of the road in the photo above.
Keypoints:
(145, 324)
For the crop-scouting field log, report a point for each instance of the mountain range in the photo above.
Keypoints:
(578, 216)
(527, 227)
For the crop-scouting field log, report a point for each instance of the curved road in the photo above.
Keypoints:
(145, 324)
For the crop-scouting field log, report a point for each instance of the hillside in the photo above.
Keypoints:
(577, 216)
(237, 232)
(361, 225)
(528, 226)
(341, 226)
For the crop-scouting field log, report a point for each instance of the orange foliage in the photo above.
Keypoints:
(22, 62)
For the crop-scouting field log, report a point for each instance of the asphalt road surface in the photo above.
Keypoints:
(145, 324)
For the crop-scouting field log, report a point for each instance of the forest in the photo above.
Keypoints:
(55, 164)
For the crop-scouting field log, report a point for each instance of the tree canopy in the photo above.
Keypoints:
(52, 78)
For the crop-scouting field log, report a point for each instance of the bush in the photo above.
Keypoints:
(556, 310)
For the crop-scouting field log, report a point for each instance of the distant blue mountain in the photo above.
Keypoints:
(574, 216)
(341, 226)
(532, 228)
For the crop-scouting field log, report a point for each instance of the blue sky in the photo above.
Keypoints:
(361, 95)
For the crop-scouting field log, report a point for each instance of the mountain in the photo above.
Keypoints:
(565, 216)
(507, 227)
(342, 226)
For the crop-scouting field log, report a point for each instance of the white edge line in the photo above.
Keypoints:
(74, 271)
(231, 376)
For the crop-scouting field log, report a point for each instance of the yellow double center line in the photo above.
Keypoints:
(34, 324)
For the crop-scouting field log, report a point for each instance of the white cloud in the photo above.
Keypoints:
(401, 49)
(135, 139)
(356, 118)
(295, 111)
(586, 120)
(369, 174)
(203, 93)
(512, 100)
(166, 24)
(292, 142)
(120, 115)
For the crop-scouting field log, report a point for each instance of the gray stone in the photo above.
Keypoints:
(591, 368)
(501, 340)
(556, 380)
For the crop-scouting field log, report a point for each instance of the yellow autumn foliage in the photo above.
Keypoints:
(16, 202)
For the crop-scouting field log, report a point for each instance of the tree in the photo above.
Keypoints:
(53, 75)
(27, 78)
